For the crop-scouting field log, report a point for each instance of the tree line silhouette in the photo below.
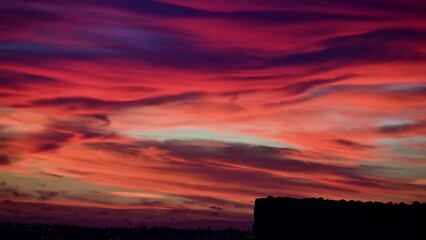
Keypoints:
(20, 231)
(274, 218)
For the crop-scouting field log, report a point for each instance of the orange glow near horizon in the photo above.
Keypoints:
(163, 110)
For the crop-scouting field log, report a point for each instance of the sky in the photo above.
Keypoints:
(183, 112)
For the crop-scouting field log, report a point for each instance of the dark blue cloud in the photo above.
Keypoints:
(367, 7)
(403, 92)
(20, 81)
(352, 144)
(258, 157)
(52, 136)
(97, 104)
(168, 47)
(150, 7)
(49, 140)
(25, 17)
(375, 46)
(21, 50)
(302, 87)
(402, 128)
(163, 9)
(5, 159)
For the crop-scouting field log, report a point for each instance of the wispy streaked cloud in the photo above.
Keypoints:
(152, 109)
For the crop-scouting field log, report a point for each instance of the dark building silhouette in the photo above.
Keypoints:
(310, 218)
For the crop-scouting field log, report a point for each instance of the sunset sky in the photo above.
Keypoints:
(171, 111)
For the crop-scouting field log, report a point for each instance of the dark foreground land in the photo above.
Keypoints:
(275, 219)
(290, 219)
(13, 231)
